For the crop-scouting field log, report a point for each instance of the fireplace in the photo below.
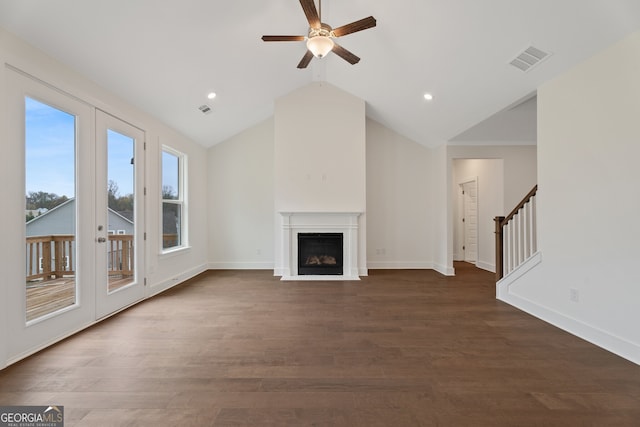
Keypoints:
(320, 253)
(294, 224)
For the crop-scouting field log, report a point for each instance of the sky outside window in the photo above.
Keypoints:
(50, 149)
(120, 167)
(170, 170)
(50, 152)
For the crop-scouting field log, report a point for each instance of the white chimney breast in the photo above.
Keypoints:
(320, 158)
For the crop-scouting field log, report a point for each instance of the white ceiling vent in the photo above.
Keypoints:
(529, 58)
(205, 109)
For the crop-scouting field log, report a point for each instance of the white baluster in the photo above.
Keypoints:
(534, 225)
(506, 250)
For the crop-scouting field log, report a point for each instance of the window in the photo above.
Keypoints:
(50, 179)
(173, 199)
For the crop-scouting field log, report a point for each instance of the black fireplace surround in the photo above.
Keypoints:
(320, 253)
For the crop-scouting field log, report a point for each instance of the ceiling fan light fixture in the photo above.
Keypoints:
(320, 36)
(320, 45)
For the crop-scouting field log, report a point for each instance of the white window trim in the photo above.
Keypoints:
(182, 200)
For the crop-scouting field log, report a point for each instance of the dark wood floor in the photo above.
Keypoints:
(399, 348)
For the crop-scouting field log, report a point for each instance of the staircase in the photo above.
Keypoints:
(516, 236)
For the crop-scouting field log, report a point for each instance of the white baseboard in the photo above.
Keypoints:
(399, 265)
(595, 336)
(177, 279)
(233, 265)
(592, 334)
(410, 265)
(444, 270)
(486, 266)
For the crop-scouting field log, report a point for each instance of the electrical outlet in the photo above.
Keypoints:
(574, 295)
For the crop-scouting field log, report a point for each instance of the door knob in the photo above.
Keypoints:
(101, 240)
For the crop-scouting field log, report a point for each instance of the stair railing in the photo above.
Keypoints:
(516, 235)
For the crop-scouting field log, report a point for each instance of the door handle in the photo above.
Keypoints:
(101, 240)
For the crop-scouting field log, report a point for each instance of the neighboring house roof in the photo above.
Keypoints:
(125, 215)
(61, 205)
(43, 215)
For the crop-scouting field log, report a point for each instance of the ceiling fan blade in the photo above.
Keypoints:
(309, 7)
(353, 27)
(345, 54)
(283, 38)
(305, 60)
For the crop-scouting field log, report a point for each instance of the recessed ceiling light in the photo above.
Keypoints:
(211, 95)
(428, 96)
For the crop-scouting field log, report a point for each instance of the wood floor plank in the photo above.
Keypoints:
(398, 348)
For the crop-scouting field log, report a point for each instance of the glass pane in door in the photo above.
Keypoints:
(50, 209)
(121, 210)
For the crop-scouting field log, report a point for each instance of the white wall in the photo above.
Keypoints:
(320, 150)
(162, 271)
(588, 151)
(241, 200)
(398, 200)
(441, 200)
(409, 206)
(489, 176)
(9, 172)
(520, 166)
(319, 156)
(166, 270)
(399, 212)
(519, 179)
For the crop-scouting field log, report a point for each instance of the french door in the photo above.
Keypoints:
(119, 214)
(83, 192)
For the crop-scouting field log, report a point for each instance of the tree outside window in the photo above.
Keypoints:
(173, 202)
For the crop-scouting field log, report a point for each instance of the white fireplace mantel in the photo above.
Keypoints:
(293, 223)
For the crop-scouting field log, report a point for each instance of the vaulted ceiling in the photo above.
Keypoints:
(165, 56)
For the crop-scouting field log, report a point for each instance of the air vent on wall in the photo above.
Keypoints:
(205, 109)
(529, 58)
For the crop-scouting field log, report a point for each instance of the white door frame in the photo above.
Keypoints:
(28, 337)
(110, 302)
(461, 221)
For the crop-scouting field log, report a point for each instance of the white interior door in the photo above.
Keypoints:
(470, 220)
(119, 214)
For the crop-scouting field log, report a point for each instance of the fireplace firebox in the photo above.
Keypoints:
(320, 253)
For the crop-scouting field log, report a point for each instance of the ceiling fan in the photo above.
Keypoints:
(320, 38)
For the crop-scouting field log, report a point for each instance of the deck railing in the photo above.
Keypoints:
(120, 254)
(54, 256)
(516, 235)
(50, 257)
(170, 240)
